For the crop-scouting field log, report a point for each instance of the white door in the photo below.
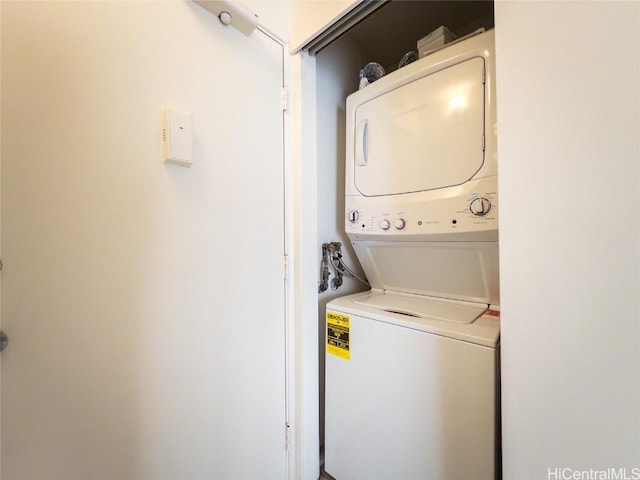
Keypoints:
(144, 302)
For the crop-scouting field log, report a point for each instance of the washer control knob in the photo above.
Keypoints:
(480, 206)
(400, 224)
(353, 216)
(385, 225)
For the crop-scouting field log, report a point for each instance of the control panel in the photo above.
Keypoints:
(471, 212)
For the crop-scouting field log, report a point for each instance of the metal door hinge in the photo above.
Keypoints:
(284, 99)
(286, 266)
(286, 436)
(4, 340)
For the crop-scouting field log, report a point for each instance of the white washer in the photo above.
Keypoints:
(411, 367)
(417, 396)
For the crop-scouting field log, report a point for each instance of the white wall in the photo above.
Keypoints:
(311, 17)
(275, 15)
(568, 128)
(337, 69)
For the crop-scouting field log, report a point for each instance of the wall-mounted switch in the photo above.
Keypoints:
(177, 138)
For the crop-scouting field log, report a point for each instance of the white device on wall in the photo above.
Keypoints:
(177, 138)
(411, 370)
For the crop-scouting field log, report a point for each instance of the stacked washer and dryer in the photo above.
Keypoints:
(412, 367)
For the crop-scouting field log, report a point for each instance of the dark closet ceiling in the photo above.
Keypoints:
(394, 28)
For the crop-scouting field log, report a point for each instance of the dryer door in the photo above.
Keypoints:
(425, 135)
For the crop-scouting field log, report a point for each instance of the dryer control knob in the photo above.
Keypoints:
(385, 225)
(353, 216)
(480, 206)
(400, 224)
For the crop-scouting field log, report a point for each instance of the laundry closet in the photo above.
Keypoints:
(384, 33)
(557, 295)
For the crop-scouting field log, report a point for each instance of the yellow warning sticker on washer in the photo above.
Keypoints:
(338, 334)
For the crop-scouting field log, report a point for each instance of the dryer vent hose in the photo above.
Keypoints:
(332, 258)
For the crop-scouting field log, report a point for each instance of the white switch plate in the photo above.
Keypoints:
(177, 138)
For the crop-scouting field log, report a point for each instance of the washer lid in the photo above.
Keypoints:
(424, 135)
(466, 271)
(484, 330)
(423, 307)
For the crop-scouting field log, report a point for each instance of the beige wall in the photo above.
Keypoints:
(568, 122)
(311, 17)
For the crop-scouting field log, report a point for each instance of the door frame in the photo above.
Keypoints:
(302, 198)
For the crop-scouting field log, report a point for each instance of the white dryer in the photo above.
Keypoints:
(411, 368)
